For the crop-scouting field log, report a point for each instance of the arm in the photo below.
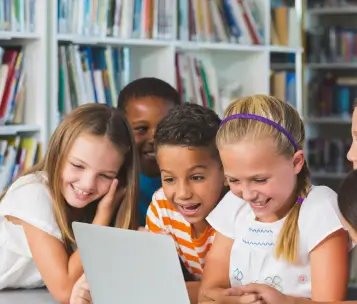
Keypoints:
(216, 271)
(58, 270)
(271, 295)
(329, 268)
(193, 290)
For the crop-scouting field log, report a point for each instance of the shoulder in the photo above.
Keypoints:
(31, 187)
(30, 200)
(227, 213)
(319, 198)
(319, 216)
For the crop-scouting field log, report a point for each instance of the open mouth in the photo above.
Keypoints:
(149, 154)
(80, 192)
(260, 204)
(189, 209)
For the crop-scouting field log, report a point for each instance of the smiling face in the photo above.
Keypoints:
(192, 180)
(261, 176)
(144, 114)
(89, 169)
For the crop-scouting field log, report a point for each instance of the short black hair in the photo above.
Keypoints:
(148, 87)
(188, 125)
(347, 199)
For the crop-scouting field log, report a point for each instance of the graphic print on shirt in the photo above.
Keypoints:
(275, 282)
(238, 275)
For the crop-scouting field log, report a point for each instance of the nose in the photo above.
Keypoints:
(352, 155)
(183, 191)
(247, 193)
(88, 182)
(151, 135)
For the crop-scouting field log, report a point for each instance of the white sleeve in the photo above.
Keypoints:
(30, 200)
(223, 217)
(319, 216)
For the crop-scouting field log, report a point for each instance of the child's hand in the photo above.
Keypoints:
(269, 294)
(80, 292)
(232, 296)
(108, 204)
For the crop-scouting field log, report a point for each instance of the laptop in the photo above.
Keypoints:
(130, 267)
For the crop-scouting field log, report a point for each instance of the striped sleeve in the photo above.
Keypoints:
(154, 221)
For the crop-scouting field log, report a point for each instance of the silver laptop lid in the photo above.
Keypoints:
(130, 267)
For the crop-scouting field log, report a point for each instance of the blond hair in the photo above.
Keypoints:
(286, 116)
(97, 120)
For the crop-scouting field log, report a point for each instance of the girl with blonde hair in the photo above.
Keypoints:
(273, 227)
(89, 174)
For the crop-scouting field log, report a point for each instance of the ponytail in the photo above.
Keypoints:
(288, 240)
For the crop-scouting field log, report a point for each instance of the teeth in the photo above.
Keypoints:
(151, 154)
(79, 191)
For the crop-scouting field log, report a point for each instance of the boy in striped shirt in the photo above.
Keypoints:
(192, 184)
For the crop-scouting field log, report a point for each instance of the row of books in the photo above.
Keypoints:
(221, 20)
(17, 15)
(12, 85)
(17, 154)
(91, 74)
(328, 155)
(283, 86)
(331, 95)
(284, 27)
(332, 44)
(142, 19)
(197, 82)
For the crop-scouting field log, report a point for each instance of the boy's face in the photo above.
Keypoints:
(192, 180)
(143, 115)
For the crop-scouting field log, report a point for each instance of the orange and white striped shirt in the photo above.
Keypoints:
(161, 216)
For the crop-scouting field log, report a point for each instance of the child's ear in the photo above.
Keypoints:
(298, 161)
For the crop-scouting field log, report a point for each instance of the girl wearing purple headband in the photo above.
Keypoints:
(273, 227)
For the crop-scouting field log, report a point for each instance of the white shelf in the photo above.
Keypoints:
(346, 10)
(285, 49)
(18, 35)
(328, 175)
(111, 41)
(181, 45)
(329, 120)
(333, 65)
(16, 129)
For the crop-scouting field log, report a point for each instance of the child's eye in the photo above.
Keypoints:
(141, 130)
(168, 180)
(106, 176)
(232, 180)
(260, 180)
(77, 166)
(197, 178)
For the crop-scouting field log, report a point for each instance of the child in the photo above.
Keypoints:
(347, 202)
(90, 158)
(270, 227)
(192, 185)
(145, 102)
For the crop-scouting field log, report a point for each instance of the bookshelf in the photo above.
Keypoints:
(23, 86)
(331, 87)
(234, 66)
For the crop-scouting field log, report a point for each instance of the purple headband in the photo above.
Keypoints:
(264, 120)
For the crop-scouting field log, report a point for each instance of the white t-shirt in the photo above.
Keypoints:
(253, 253)
(28, 199)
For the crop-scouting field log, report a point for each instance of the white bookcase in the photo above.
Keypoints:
(35, 46)
(335, 126)
(247, 64)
